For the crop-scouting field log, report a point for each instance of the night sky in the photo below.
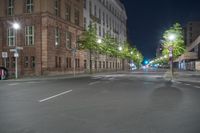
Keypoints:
(148, 19)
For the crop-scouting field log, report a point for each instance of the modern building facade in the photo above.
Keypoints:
(190, 60)
(47, 37)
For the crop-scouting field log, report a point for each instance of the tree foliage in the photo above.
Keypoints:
(177, 44)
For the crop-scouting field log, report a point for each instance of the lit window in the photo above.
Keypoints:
(11, 37)
(57, 37)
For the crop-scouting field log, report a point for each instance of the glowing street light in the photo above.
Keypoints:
(99, 41)
(16, 26)
(120, 48)
(172, 37)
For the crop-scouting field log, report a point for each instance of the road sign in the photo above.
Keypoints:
(16, 54)
(13, 50)
(20, 48)
(4, 54)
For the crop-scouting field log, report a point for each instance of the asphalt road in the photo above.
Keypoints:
(120, 103)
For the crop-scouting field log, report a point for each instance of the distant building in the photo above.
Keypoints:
(192, 31)
(190, 60)
(48, 33)
(108, 16)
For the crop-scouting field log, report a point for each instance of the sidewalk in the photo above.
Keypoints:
(65, 76)
(187, 76)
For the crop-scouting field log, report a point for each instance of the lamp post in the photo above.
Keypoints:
(171, 38)
(120, 49)
(16, 27)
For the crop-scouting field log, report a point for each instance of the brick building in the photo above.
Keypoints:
(48, 33)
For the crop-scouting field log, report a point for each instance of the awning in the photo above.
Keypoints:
(187, 56)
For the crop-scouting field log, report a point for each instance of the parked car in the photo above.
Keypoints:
(3, 73)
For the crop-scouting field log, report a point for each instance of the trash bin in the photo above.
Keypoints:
(3, 73)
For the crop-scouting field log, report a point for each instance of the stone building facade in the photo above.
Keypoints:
(108, 16)
(48, 34)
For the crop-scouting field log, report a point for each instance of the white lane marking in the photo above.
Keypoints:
(197, 87)
(54, 96)
(13, 84)
(187, 84)
(178, 82)
(32, 82)
(96, 82)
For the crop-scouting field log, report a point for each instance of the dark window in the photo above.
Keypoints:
(68, 12)
(29, 6)
(13, 62)
(100, 64)
(59, 63)
(56, 61)
(26, 61)
(32, 61)
(10, 7)
(57, 7)
(85, 64)
(68, 40)
(76, 17)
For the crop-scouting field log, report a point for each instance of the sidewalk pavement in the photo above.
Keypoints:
(64, 76)
(186, 76)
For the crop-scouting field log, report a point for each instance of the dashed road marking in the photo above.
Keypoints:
(51, 97)
(187, 84)
(13, 84)
(96, 82)
(197, 87)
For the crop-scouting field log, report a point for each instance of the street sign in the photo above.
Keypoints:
(4, 54)
(20, 48)
(16, 54)
(12, 50)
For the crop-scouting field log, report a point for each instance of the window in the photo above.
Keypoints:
(68, 62)
(11, 37)
(13, 62)
(85, 4)
(99, 64)
(99, 30)
(90, 6)
(107, 64)
(32, 61)
(59, 63)
(68, 40)
(85, 64)
(103, 64)
(29, 6)
(29, 34)
(8, 62)
(76, 17)
(57, 7)
(103, 18)
(99, 13)
(95, 64)
(57, 37)
(26, 61)
(68, 12)
(110, 65)
(10, 7)
(56, 61)
(85, 23)
(95, 10)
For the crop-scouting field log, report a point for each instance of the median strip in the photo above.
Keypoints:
(51, 97)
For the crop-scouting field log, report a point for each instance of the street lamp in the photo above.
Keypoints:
(16, 26)
(171, 38)
(99, 41)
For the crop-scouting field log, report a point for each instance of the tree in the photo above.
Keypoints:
(89, 41)
(176, 43)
